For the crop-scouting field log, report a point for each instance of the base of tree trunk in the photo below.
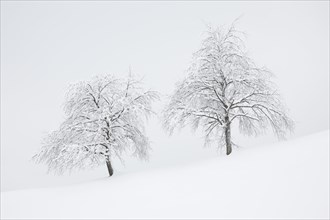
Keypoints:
(228, 140)
(229, 150)
(110, 169)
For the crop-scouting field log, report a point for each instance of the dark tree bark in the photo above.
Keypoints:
(228, 140)
(110, 170)
(228, 136)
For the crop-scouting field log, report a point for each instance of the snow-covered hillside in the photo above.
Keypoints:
(285, 180)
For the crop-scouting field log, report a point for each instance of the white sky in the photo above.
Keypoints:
(47, 45)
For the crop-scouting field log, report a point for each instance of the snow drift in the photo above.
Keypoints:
(285, 180)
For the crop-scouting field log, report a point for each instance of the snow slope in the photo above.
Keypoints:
(285, 180)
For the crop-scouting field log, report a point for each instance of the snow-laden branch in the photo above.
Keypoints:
(224, 85)
(105, 117)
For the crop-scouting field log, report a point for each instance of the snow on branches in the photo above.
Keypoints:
(223, 85)
(104, 118)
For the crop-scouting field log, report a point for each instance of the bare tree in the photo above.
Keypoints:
(224, 85)
(105, 117)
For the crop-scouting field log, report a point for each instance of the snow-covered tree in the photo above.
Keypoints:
(224, 85)
(104, 118)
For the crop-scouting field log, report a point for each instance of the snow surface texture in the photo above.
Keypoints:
(285, 180)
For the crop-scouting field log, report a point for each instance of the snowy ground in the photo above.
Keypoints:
(285, 180)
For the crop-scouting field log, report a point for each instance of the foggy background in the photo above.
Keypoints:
(45, 46)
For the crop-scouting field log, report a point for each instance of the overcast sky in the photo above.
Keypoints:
(47, 45)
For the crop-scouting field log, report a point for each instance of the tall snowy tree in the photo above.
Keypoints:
(224, 85)
(104, 118)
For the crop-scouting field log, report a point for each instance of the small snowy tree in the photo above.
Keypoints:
(224, 85)
(105, 117)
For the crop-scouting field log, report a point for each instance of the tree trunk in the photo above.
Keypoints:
(110, 170)
(228, 139)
